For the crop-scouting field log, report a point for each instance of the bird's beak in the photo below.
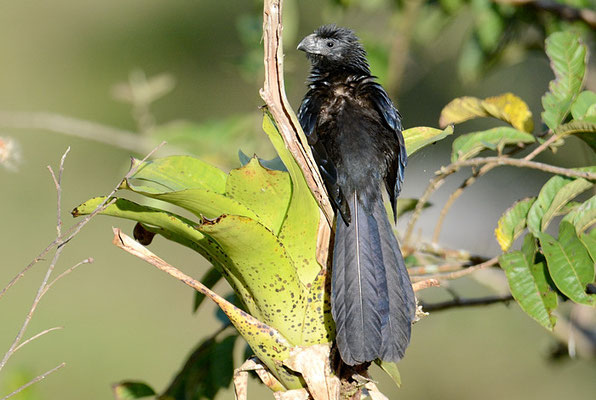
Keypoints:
(308, 44)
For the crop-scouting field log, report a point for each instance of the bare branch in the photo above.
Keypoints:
(68, 271)
(417, 286)
(40, 334)
(35, 380)
(460, 303)
(458, 274)
(274, 95)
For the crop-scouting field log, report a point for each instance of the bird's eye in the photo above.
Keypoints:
(330, 44)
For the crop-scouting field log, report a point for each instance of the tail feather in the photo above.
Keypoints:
(402, 302)
(372, 299)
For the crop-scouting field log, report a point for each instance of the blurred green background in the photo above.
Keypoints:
(125, 320)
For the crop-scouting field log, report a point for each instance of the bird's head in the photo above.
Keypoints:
(332, 48)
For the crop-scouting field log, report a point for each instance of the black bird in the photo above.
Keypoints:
(355, 134)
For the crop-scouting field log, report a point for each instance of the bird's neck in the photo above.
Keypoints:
(322, 74)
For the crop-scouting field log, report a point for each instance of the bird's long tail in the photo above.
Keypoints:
(372, 300)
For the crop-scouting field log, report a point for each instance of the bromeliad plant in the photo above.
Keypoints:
(258, 228)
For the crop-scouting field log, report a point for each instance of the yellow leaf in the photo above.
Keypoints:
(510, 108)
(506, 107)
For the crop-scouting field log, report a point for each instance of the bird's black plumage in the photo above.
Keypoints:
(355, 134)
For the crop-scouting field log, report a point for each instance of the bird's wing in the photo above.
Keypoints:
(308, 115)
(392, 119)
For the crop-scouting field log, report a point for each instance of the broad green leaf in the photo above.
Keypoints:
(299, 230)
(552, 197)
(264, 191)
(132, 390)
(583, 216)
(263, 265)
(567, 56)
(178, 229)
(176, 173)
(569, 263)
(512, 223)
(421, 136)
(391, 369)
(506, 107)
(584, 105)
(529, 283)
(469, 145)
(209, 279)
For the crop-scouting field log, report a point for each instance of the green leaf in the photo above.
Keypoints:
(209, 279)
(264, 191)
(590, 243)
(263, 265)
(583, 216)
(469, 145)
(506, 107)
(178, 229)
(529, 283)
(555, 193)
(576, 128)
(584, 105)
(567, 56)
(421, 136)
(201, 202)
(132, 390)
(298, 233)
(562, 197)
(391, 369)
(512, 223)
(569, 263)
(176, 173)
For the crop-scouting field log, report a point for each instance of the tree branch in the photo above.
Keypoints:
(274, 95)
(460, 303)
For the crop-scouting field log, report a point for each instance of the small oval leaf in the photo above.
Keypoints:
(512, 223)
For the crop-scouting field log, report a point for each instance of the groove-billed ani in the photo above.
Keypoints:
(355, 135)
